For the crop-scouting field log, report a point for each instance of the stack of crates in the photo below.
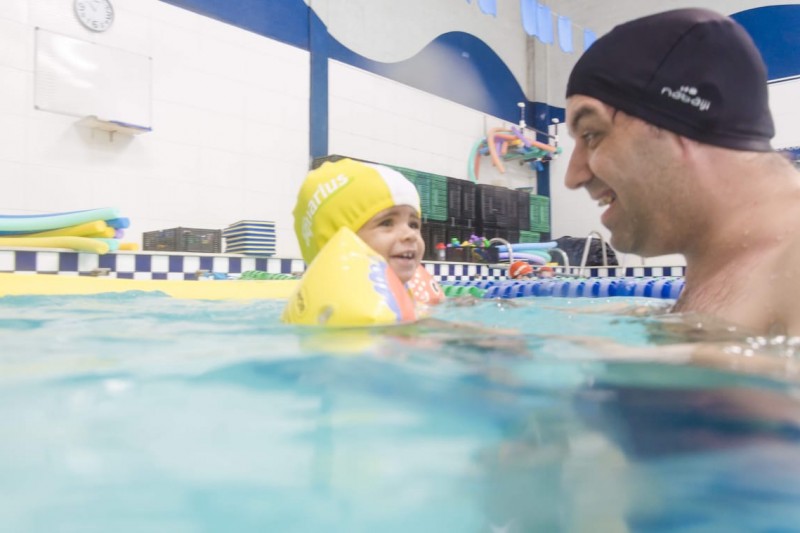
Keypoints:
(457, 209)
(461, 207)
(461, 214)
(433, 194)
(492, 207)
(250, 237)
(497, 213)
(509, 234)
(433, 233)
(529, 236)
(540, 214)
(183, 240)
(432, 190)
(523, 201)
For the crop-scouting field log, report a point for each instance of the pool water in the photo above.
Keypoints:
(139, 412)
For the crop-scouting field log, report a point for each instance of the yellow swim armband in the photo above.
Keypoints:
(349, 284)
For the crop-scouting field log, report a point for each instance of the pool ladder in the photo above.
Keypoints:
(580, 271)
(511, 254)
(583, 271)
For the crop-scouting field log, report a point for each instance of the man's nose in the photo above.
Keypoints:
(578, 172)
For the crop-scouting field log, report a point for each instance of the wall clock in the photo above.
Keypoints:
(95, 15)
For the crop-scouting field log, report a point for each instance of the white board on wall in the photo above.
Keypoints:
(79, 78)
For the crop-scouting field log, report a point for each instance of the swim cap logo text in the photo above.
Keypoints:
(687, 95)
(323, 191)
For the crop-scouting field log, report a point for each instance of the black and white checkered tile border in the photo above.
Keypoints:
(181, 266)
(140, 265)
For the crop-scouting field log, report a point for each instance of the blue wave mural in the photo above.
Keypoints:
(283, 20)
(776, 32)
(456, 66)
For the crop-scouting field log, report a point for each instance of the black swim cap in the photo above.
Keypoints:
(690, 71)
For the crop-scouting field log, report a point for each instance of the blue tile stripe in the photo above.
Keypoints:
(187, 266)
(25, 261)
(68, 262)
(108, 261)
(175, 263)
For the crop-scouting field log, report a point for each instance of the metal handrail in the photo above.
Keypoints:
(508, 247)
(585, 255)
(564, 257)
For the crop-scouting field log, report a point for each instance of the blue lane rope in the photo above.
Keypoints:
(649, 287)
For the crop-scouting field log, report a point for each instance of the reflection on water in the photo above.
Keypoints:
(142, 413)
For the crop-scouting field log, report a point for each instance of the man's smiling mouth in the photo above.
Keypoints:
(606, 199)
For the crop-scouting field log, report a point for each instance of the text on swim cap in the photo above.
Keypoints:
(687, 95)
(322, 192)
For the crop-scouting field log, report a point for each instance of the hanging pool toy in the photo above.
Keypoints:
(510, 143)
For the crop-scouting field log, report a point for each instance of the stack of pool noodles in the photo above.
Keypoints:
(250, 237)
(93, 230)
(533, 252)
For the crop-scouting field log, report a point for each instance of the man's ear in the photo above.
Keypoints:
(684, 145)
(687, 146)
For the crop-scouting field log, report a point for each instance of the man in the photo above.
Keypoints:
(672, 133)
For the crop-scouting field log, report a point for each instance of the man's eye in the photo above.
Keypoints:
(589, 137)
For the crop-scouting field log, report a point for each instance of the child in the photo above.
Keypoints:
(358, 226)
(379, 204)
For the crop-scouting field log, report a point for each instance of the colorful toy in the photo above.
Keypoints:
(505, 144)
(520, 270)
(91, 231)
(441, 251)
(425, 289)
(545, 271)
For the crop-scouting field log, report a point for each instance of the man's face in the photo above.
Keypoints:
(624, 164)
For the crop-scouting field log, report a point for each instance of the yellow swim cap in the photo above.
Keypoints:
(346, 193)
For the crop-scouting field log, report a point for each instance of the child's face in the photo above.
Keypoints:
(395, 234)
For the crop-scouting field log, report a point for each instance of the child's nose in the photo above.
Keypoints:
(409, 231)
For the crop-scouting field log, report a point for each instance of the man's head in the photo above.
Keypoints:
(693, 72)
(642, 96)
(347, 193)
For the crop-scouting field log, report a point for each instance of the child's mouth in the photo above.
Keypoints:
(406, 255)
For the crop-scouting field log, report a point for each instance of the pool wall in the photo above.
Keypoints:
(183, 266)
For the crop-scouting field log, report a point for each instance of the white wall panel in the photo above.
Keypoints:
(784, 100)
(230, 111)
(230, 124)
(381, 120)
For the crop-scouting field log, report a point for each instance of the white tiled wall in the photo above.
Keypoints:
(784, 99)
(377, 119)
(229, 118)
(231, 122)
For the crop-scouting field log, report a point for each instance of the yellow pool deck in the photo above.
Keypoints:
(47, 284)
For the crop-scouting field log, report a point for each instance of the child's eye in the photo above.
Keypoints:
(386, 222)
(414, 224)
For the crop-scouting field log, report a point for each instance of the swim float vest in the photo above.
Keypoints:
(349, 284)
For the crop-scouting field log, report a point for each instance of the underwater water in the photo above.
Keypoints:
(138, 412)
